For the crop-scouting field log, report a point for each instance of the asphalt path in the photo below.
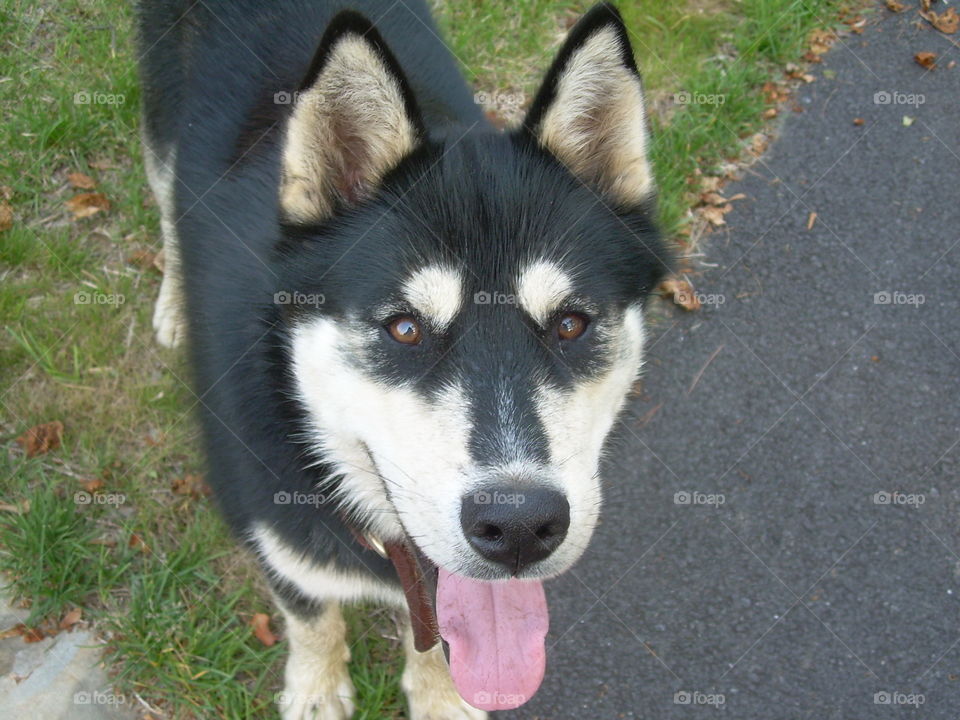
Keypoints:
(785, 587)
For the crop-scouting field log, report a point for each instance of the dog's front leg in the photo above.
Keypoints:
(428, 686)
(317, 684)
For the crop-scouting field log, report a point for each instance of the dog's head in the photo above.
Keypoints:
(465, 307)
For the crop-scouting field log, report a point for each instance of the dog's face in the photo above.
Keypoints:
(466, 312)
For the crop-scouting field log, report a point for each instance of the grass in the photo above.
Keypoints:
(155, 571)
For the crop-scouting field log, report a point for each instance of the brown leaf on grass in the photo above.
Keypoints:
(6, 216)
(261, 629)
(820, 41)
(80, 181)
(92, 486)
(192, 485)
(20, 508)
(41, 439)
(138, 543)
(710, 183)
(926, 59)
(71, 618)
(895, 6)
(681, 292)
(143, 259)
(32, 635)
(86, 204)
(770, 113)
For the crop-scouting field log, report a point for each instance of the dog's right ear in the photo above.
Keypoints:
(354, 118)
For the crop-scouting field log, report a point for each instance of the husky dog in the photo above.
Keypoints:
(410, 333)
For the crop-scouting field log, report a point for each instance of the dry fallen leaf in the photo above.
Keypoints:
(714, 214)
(143, 259)
(86, 204)
(20, 508)
(769, 113)
(713, 198)
(6, 216)
(811, 220)
(681, 292)
(71, 618)
(192, 485)
(946, 22)
(926, 59)
(91, 486)
(261, 629)
(80, 181)
(894, 6)
(820, 41)
(41, 438)
(138, 543)
(710, 183)
(858, 121)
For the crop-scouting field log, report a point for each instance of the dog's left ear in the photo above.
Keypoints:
(590, 111)
(353, 120)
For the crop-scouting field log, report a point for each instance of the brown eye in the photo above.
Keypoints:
(571, 326)
(405, 329)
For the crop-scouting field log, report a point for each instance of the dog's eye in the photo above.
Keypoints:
(405, 329)
(571, 326)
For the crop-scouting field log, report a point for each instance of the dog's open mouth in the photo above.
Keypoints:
(493, 631)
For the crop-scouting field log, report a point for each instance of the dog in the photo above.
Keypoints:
(410, 333)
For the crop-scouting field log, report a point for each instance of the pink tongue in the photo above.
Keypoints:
(496, 634)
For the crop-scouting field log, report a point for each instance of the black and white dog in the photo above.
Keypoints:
(410, 333)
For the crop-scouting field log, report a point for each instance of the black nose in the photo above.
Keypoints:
(515, 526)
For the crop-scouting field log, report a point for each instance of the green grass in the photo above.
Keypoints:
(176, 614)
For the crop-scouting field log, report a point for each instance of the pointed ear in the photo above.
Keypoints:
(353, 119)
(590, 113)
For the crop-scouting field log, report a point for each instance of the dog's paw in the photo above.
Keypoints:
(322, 697)
(428, 704)
(169, 324)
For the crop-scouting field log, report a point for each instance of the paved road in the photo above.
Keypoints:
(799, 597)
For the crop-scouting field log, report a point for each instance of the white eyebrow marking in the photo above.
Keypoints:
(541, 289)
(437, 293)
